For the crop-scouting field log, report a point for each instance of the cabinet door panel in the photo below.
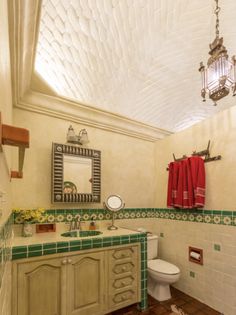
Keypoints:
(124, 275)
(86, 284)
(40, 288)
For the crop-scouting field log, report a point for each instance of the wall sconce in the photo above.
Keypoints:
(81, 138)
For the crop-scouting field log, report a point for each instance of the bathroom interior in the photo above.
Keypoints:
(126, 72)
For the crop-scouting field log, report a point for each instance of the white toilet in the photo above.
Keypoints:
(160, 273)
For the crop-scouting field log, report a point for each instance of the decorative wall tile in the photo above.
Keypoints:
(195, 215)
(5, 245)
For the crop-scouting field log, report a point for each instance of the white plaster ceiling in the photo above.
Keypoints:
(135, 58)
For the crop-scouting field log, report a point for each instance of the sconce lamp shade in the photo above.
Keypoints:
(81, 138)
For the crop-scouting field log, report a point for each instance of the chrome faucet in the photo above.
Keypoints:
(75, 224)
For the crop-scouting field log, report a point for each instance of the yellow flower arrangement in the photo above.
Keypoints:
(30, 215)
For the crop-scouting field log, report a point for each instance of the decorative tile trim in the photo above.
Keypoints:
(221, 217)
(5, 245)
(35, 250)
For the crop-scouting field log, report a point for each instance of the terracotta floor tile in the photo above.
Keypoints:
(158, 309)
(152, 301)
(189, 308)
(188, 304)
(178, 301)
(210, 311)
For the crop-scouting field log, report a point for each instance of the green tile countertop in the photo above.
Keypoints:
(41, 244)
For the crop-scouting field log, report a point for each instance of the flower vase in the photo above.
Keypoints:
(27, 229)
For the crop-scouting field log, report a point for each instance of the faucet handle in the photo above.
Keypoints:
(72, 225)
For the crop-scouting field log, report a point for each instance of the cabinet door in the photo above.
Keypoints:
(85, 283)
(40, 288)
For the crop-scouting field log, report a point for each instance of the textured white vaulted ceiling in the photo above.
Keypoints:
(136, 58)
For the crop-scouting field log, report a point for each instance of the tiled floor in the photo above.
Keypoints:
(188, 304)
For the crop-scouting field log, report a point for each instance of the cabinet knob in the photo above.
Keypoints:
(69, 261)
(64, 262)
(123, 268)
(123, 283)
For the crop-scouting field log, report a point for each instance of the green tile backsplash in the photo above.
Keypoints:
(5, 245)
(198, 215)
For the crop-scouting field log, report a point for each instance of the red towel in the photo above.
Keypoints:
(186, 183)
(190, 186)
(172, 183)
(198, 179)
(179, 197)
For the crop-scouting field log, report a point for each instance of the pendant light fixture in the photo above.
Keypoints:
(220, 74)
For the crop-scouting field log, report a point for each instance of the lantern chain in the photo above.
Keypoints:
(217, 11)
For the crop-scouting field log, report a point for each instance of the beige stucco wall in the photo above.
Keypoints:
(5, 106)
(220, 175)
(214, 282)
(127, 163)
(5, 152)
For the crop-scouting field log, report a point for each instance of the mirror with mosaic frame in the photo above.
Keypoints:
(76, 174)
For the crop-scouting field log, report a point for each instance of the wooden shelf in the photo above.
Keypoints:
(18, 137)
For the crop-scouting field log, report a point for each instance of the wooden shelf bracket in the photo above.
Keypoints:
(18, 137)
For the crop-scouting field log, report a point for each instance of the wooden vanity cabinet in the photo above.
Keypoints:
(39, 287)
(90, 282)
(86, 284)
(124, 277)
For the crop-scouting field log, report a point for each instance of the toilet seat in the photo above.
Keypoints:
(163, 266)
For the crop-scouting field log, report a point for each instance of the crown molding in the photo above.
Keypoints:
(72, 111)
(24, 16)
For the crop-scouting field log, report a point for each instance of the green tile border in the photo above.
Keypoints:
(5, 245)
(222, 217)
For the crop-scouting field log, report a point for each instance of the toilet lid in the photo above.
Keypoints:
(163, 266)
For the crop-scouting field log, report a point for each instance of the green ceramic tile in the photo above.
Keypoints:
(63, 250)
(192, 274)
(19, 256)
(49, 246)
(60, 211)
(227, 213)
(62, 244)
(116, 240)
(50, 211)
(75, 248)
(97, 242)
(143, 265)
(124, 239)
(217, 247)
(107, 241)
(36, 247)
(133, 238)
(86, 244)
(49, 251)
(75, 243)
(34, 254)
(19, 249)
(207, 211)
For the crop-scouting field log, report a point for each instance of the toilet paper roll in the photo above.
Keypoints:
(195, 255)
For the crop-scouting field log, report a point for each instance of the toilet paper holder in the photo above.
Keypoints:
(195, 255)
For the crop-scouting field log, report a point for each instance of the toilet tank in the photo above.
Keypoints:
(152, 246)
